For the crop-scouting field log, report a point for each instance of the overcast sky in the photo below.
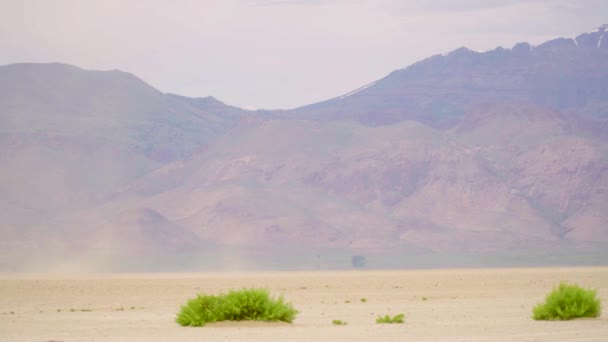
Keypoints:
(274, 53)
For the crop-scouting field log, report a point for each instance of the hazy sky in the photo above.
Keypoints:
(273, 53)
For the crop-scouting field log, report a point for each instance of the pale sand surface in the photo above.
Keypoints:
(462, 305)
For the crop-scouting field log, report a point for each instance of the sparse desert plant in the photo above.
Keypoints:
(246, 304)
(567, 302)
(425, 298)
(338, 322)
(363, 300)
(347, 301)
(388, 319)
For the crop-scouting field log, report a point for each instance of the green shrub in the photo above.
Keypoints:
(338, 322)
(363, 300)
(246, 304)
(568, 302)
(387, 319)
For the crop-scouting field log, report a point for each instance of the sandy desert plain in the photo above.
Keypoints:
(439, 304)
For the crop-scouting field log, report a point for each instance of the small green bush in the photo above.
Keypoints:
(387, 319)
(568, 302)
(246, 304)
(338, 322)
(363, 300)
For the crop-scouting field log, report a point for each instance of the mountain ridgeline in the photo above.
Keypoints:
(465, 158)
(564, 74)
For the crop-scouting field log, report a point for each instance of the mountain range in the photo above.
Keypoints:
(464, 158)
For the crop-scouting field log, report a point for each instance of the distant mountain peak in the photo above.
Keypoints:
(521, 48)
(602, 28)
(564, 73)
(598, 38)
(594, 39)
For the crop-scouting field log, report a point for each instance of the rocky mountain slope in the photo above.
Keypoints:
(70, 139)
(565, 74)
(466, 153)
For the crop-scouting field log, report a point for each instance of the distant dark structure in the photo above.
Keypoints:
(358, 261)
